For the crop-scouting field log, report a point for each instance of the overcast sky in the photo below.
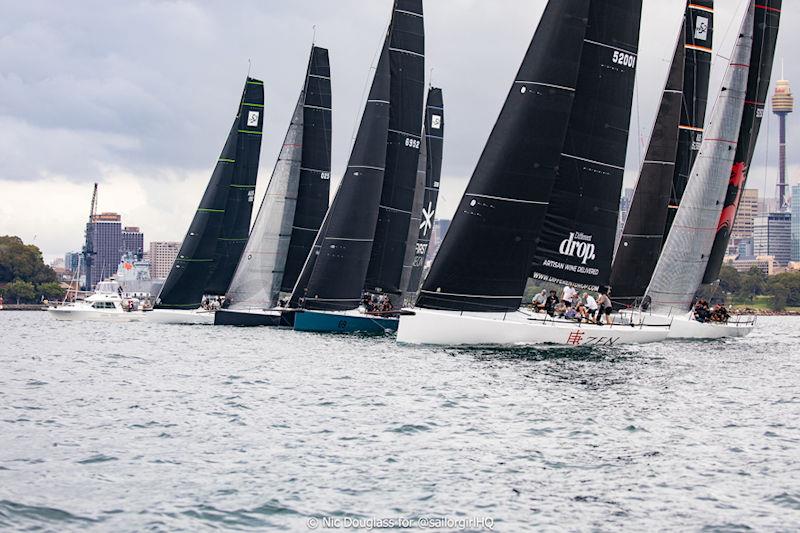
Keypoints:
(139, 95)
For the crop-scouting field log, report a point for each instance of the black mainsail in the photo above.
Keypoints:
(699, 23)
(576, 244)
(218, 232)
(333, 274)
(407, 92)
(315, 172)
(429, 175)
(765, 36)
(642, 236)
(485, 258)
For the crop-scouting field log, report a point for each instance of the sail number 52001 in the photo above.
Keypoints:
(621, 58)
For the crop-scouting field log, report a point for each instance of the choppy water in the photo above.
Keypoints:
(147, 427)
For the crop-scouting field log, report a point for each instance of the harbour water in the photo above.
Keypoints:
(138, 427)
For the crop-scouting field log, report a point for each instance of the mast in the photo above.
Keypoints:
(484, 260)
(300, 178)
(699, 23)
(765, 37)
(333, 274)
(430, 175)
(640, 246)
(577, 239)
(683, 260)
(225, 205)
(407, 93)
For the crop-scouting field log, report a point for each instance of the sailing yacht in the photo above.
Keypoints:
(543, 199)
(360, 249)
(703, 220)
(291, 212)
(216, 237)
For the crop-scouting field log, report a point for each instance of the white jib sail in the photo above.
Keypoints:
(258, 276)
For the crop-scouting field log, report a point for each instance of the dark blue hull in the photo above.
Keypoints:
(321, 322)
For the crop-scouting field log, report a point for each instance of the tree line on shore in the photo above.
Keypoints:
(745, 287)
(24, 277)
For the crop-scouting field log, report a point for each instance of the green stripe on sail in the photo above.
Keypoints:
(252, 105)
(227, 161)
(250, 132)
(243, 186)
(255, 82)
(204, 210)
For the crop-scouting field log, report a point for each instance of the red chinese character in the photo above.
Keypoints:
(576, 338)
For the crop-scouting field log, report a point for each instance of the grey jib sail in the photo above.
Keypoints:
(296, 198)
(576, 244)
(484, 260)
(429, 173)
(686, 252)
(642, 237)
(218, 232)
(333, 274)
(699, 23)
(407, 92)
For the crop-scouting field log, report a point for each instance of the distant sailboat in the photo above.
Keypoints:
(292, 210)
(543, 199)
(429, 176)
(362, 243)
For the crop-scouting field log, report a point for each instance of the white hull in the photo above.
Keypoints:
(452, 328)
(158, 316)
(685, 327)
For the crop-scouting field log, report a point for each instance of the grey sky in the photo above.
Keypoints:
(138, 95)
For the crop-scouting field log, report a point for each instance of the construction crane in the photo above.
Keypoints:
(88, 247)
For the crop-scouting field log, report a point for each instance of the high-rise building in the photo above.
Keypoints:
(161, 256)
(795, 223)
(72, 260)
(782, 105)
(748, 210)
(772, 235)
(107, 245)
(132, 241)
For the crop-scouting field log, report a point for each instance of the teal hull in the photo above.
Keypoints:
(322, 322)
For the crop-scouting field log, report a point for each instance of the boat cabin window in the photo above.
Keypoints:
(103, 305)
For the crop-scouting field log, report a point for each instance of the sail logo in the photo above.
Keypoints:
(701, 28)
(252, 118)
(436, 122)
(578, 245)
(427, 219)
